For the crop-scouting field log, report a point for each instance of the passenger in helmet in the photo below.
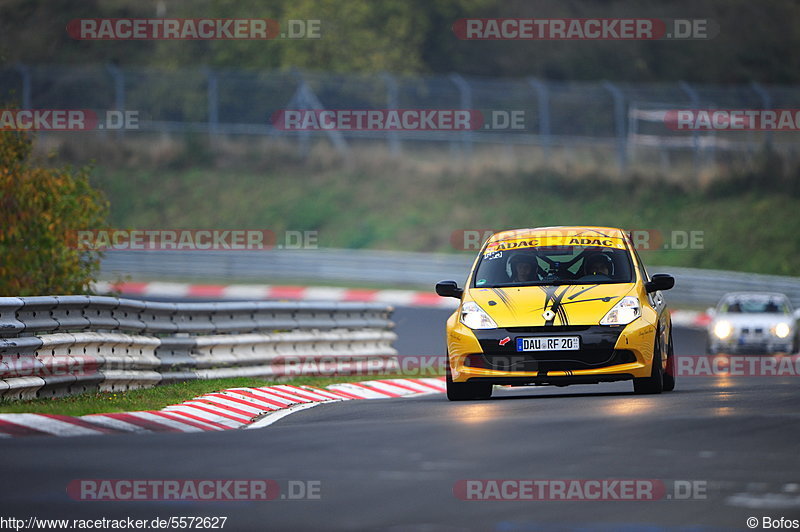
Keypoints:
(523, 268)
(598, 264)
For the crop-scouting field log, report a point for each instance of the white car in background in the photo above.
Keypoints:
(753, 323)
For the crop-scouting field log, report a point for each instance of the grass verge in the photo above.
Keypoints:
(745, 216)
(160, 396)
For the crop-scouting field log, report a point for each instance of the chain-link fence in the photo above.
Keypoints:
(624, 119)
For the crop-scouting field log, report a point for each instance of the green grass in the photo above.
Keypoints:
(746, 227)
(157, 397)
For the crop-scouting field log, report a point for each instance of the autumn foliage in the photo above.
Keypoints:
(39, 210)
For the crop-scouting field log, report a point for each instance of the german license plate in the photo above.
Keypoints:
(549, 343)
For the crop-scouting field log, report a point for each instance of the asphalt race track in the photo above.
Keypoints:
(420, 330)
(392, 464)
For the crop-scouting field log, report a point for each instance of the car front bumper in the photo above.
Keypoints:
(607, 353)
(751, 346)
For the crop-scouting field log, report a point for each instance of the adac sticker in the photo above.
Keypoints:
(607, 242)
(502, 245)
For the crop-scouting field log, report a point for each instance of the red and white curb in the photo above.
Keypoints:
(405, 298)
(235, 408)
(691, 319)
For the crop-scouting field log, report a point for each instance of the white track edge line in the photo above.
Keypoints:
(272, 417)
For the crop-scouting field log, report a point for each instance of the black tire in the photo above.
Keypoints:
(655, 382)
(466, 391)
(669, 374)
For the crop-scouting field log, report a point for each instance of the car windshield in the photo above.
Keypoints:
(553, 265)
(755, 305)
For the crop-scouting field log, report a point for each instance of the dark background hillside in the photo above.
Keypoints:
(758, 41)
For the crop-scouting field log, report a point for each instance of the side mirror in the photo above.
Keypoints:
(710, 311)
(660, 281)
(449, 289)
(796, 314)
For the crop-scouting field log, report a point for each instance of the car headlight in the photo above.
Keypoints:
(722, 329)
(782, 330)
(475, 317)
(624, 312)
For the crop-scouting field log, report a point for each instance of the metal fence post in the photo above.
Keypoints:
(298, 101)
(213, 104)
(391, 103)
(304, 98)
(766, 100)
(119, 91)
(543, 102)
(695, 103)
(25, 74)
(466, 104)
(620, 124)
(633, 131)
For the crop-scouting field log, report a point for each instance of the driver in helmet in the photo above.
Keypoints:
(523, 268)
(599, 264)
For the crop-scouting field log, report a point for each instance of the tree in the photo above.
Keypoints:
(40, 208)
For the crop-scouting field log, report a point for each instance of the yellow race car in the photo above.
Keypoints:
(558, 306)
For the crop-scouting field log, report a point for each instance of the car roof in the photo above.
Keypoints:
(759, 295)
(560, 230)
(771, 296)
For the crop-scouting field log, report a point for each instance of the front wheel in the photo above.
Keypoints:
(655, 382)
(466, 391)
(669, 374)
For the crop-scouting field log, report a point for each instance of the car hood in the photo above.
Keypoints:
(532, 306)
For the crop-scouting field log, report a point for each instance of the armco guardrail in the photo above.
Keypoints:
(706, 287)
(392, 268)
(62, 345)
(358, 266)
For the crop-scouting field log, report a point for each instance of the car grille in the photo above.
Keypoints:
(597, 349)
(549, 361)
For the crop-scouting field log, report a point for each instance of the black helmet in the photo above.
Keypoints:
(520, 258)
(598, 258)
